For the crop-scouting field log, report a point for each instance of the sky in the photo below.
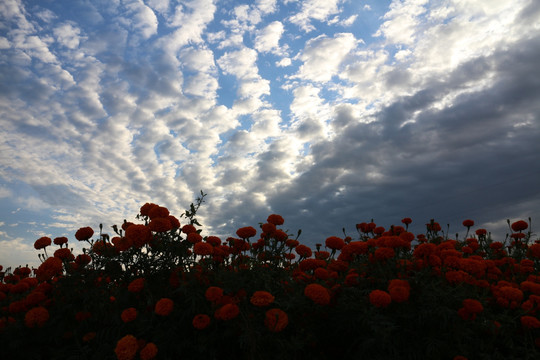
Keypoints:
(327, 112)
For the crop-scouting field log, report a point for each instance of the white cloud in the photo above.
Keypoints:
(401, 21)
(142, 18)
(284, 62)
(266, 6)
(67, 35)
(4, 43)
(314, 9)
(267, 39)
(323, 56)
(240, 63)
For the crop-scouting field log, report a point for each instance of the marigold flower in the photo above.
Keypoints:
(276, 320)
(49, 269)
(136, 285)
(530, 322)
(246, 232)
(164, 307)
(334, 243)
(213, 240)
(64, 254)
(268, 228)
(227, 312)
(303, 251)
(145, 209)
(149, 351)
(129, 314)
(194, 237)
(380, 298)
(83, 259)
(317, 293)
(36, 317)
(203, 248)
(42, 242)
(481, 232)
(175, 223)
(261, 298)
(275, 219)
(188, 229)
(84, 233)
(384, 253)
(534, 251)
(201, 321)
(160, 224)
(399, 290)
(158, 212)
(139, 234)
(213, 293)
(468, 223)
(60, 240)
(406, 221)
(519, 225)
(126, 348)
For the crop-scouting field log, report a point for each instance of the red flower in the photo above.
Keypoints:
(203, 248)
(158, 212)
(64, 254)
(275, 219)
(139, 234)
(174, 222)
(303, 250)
(534, 251)
(227, 312)
(49, 269)
(84, 233)
(188, 229)
(384, 253)
(164, 307)
(136, 285)
(481, 232)
(149, 351)
(129, 314)
(42, 242)
(468, 223)
(406, 221)
(246, 232)
(83, 259)
(126, 348)
(145, 209)
(530, 322)
(201, 321)
(60, 240)
(318, 294)
(261, 298)
(335, 243)
(519, 225)
(194, 237)
(213, 294)
(380, 298)
(213, 240)
(36, 317)
(160, 224)
(399, 290)
(276, 320)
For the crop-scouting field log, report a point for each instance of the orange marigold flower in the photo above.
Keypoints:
(164, 307)
(42, 242)
(201, 321)
(261, 298)
(129, 314)
(136, 285)
(384, 253)
(275, 219)
(246, 232)
(530, 322)
(64, 254)
(380, 298)
(317, 293)
(399, 294)
(406, 221)
(334, 243)
(83, 259)
(145, 209)
(519, 225)
(149, 351)
(84, 233)
(203, 248)
(126, 348)
(213, 240)
(49, 269)
(268, 228)
(276, 320)
(473, 306)
(36, 317)
(534, 251)
(227, 312)
(213, 294)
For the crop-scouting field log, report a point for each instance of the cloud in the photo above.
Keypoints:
(142, 18)
(314, 9)
(322, 56)
(267, 39)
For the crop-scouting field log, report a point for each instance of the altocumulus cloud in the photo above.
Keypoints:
(329, 113)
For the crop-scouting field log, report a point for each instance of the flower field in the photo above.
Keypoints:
(159, 289)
